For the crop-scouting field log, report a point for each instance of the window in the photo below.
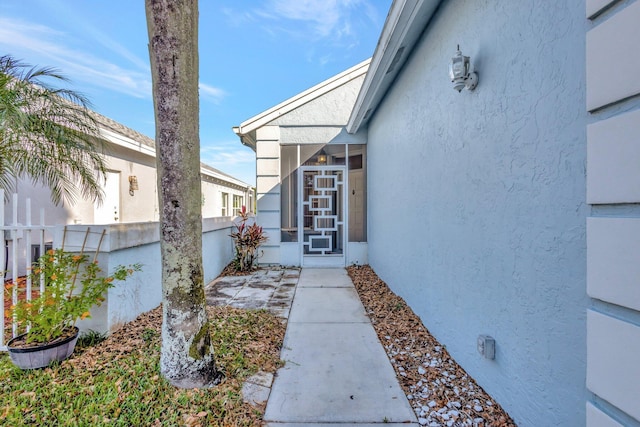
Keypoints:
(237, 204)
(225, 204)
(289, 193)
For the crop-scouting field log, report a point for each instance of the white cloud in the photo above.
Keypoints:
(231, 158)
(331, 20)
(23, 38)
(211, 93)
(222, 155)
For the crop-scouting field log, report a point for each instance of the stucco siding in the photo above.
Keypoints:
(613, 229)
(613, 156)
(613, 270)
(597, 418)
(612, 57)
(142, 205)
(476, 200)
(613, 347)
(333, 108)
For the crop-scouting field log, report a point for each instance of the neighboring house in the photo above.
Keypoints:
(130, 189)
(473, 204)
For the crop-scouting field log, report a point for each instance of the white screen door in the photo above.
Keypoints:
(321, 215)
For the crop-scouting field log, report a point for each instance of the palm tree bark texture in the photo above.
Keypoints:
(186, 358)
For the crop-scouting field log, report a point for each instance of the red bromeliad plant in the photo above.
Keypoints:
(247, 239)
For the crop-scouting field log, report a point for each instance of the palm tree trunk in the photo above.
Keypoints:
(187, 353)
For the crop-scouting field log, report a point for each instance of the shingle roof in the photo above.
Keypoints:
(112, 125)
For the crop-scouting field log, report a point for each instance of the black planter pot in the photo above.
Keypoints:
(42, 355)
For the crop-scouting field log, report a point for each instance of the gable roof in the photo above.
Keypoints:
(246, 130)
(405, 23)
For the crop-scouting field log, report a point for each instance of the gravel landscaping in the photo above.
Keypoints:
(439, 390)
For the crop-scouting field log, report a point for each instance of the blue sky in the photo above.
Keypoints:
(254, 54)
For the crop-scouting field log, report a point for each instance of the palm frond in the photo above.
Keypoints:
(48, 134)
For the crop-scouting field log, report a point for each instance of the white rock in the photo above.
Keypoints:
(422, 421)
(421, 370)
(432, 404)
(477, 408)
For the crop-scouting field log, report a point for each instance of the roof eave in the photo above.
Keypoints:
(246, 130)
(247, 139)
(405, 23)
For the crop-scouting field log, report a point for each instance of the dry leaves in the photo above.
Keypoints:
(439, 390)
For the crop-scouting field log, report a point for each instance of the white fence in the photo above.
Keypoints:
(19, 241)
(123, 244)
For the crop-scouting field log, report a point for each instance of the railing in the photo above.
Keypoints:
(19, 238)
(123, 244)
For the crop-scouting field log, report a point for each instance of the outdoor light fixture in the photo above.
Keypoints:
(461, 72)
(133, 184)
(322, 157)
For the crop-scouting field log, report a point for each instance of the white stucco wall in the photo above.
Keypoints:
(126, 244)
(477, 199)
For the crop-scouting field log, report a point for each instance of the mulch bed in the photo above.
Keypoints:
(439, 390)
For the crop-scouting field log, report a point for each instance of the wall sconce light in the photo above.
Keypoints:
(461, 72)
(133, 184)
(322, 157)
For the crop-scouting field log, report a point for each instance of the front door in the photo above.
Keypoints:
(321, 215)
(109, 211)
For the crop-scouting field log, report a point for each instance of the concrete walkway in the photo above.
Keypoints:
(336, 370)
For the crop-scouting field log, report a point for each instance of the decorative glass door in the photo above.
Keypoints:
(322, 215)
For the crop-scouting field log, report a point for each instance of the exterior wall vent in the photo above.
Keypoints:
(396, 59)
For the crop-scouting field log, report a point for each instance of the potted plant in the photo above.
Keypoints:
(73, 285)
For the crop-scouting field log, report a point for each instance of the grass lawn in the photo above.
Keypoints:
(118, 383)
